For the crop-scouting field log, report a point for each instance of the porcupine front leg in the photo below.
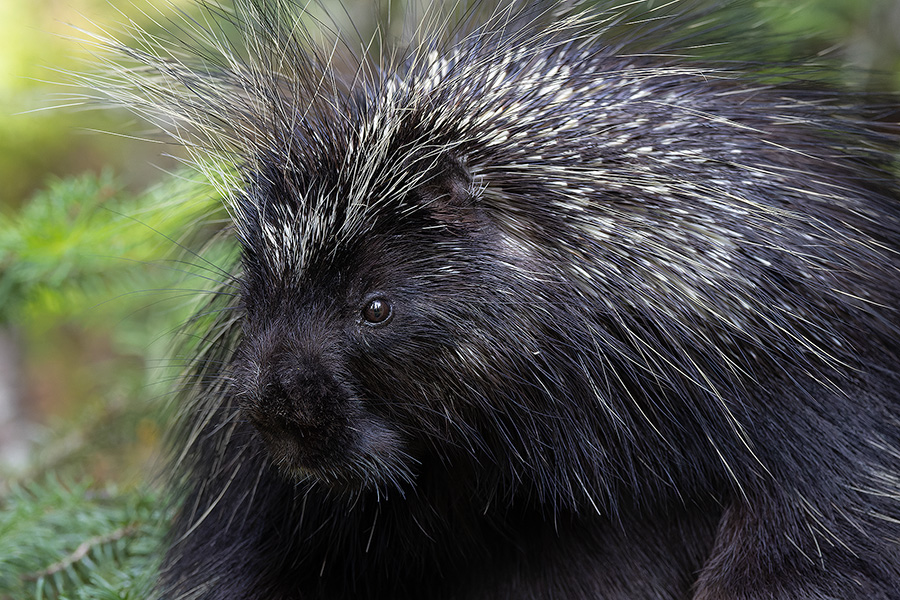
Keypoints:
(793, 549)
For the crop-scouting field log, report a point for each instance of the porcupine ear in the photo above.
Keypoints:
(450, 194)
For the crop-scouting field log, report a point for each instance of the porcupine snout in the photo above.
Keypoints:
(292, 391)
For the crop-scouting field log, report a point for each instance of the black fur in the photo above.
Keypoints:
(480, 353)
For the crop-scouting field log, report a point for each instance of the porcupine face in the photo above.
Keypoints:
(349, 300)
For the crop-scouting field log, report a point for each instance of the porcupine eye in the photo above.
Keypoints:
(377, 311)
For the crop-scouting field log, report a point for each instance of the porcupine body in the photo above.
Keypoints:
(538, 311)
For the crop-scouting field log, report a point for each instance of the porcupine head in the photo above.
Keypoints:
(402, 304)
(378, 294)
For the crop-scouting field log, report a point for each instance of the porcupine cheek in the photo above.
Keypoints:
(307, 415)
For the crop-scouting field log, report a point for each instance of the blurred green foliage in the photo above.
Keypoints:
(83, 236)
(38, 48)
(98, 282)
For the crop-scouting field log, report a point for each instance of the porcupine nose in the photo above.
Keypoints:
(300, 392)
(293, 390)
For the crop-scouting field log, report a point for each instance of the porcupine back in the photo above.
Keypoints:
(624, 291)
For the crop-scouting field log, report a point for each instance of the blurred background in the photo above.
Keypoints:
(97, 232)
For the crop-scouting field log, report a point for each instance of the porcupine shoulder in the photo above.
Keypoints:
(537, 314)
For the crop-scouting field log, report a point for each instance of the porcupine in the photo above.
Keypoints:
(536, 309)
